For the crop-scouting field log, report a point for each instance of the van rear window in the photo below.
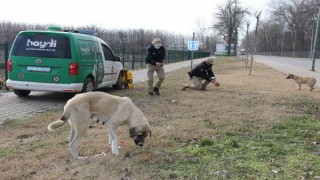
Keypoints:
(42, 45)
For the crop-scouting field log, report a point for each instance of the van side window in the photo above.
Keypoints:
(108, 54)
(88, 49)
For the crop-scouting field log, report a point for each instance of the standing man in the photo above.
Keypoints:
(155, 55)
(201, 72)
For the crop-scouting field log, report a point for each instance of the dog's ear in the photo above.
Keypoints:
(132, 132)
(289, 76)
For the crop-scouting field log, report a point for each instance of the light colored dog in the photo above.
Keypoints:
(1, 83)
(112, 111)
(310, 81)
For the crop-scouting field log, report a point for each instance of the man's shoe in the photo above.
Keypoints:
(184, 88)
(204, 88)
(156, 90)
(151, 94)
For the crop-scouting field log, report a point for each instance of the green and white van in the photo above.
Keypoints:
(61, 61)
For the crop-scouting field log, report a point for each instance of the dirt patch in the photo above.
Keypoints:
(241, 104)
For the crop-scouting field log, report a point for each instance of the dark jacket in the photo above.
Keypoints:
(155, 55)
(203, 70)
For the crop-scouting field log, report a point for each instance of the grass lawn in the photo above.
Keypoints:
(256, 126)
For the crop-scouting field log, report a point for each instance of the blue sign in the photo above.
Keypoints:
(193, 45)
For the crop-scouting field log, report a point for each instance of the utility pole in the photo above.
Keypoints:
(315, 43)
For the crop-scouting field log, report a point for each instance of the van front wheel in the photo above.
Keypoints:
(119, 84)
(88, 85)
(21, 93)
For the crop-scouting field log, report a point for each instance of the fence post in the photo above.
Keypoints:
(142, 55)
(6, 57)
(133, 57)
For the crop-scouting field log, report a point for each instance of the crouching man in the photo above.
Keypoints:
(202, 75)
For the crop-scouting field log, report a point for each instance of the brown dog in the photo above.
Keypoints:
(310, 81)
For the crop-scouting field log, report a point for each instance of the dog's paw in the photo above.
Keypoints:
(115, 150)
(103, 154)
(116, 154)
(81, 158)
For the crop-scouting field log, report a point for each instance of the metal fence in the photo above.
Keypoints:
(4, 55)
(300, 54)
(135, 59)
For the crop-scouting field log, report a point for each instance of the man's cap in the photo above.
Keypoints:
(157, 41)
(210, 60)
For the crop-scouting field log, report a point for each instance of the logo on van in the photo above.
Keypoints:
(85, 50)
(40, 44)
(38, 61)
(21, 75)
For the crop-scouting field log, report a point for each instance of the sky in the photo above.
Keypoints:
(174, 16)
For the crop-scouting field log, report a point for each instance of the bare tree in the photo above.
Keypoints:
(228, 19)
(201, 32)
(247, 40)
(298, 16)
(207, 39)
(123, 40)
(257, 15)
(238, 21)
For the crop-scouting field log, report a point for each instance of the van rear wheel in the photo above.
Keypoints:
(21, 93)
(88, 85)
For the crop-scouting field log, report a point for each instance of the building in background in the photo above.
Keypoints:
(222, 49)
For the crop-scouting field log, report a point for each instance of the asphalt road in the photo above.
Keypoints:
(13, 107)
(297, 66)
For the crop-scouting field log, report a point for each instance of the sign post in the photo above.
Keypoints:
(193, 46)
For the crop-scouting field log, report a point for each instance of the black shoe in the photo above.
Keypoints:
(150, 93)
(204, 88)
(156, 90)
(184, 87)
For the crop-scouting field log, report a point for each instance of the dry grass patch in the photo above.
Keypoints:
(254, 127)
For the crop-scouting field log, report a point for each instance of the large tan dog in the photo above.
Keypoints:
(1, 83)
(310, 81)
(112, 111)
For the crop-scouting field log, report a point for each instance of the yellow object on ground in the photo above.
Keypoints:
(128, 79)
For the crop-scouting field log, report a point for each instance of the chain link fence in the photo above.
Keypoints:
(4, 55)
(135, 59)
(300, 54)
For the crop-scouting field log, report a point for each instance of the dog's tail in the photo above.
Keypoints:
(56, 124)
(60, 122)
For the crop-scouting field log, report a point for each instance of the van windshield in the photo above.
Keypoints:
(42, 45)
